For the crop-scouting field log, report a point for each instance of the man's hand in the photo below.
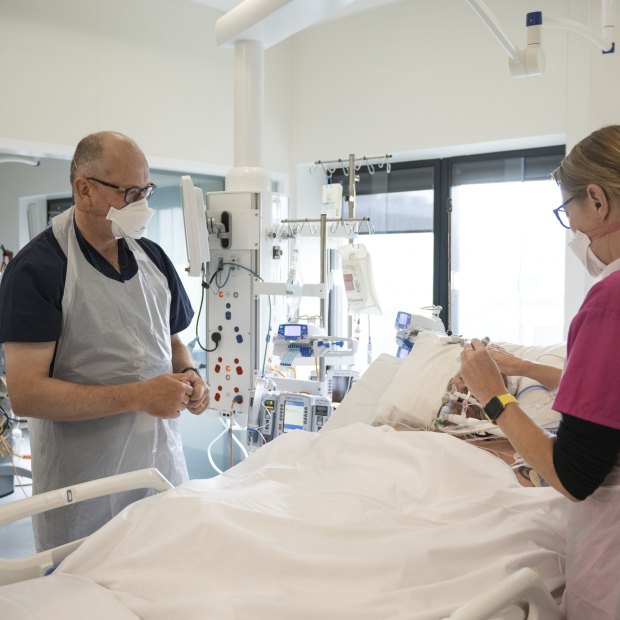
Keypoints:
(201, 396)
(166, 396)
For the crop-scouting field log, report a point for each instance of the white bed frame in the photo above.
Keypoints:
(521, 596)
(40, 564)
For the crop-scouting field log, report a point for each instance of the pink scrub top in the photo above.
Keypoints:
(590, 390)
(592, 368)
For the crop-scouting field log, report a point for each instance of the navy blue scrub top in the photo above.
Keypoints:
(33, 283)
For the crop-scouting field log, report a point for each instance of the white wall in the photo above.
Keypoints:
(593, 92)
(423, 78)
(148, 68)
(417, 78)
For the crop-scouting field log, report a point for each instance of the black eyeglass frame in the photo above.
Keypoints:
(141, 192)
(562, 209)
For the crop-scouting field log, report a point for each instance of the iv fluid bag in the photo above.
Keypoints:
(332, 200)
(293, 284)
(358, 280)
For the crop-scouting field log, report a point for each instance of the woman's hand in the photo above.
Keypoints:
(480, 372)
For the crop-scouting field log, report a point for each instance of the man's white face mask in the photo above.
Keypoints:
(580, 245)
(132, 220)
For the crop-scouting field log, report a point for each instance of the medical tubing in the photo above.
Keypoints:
(230, 433)
(537, 386)
(221, 286)
(4, 445)
(241, 446)
(209, 455)
(202, 299)
(267, 338)
(236, 439)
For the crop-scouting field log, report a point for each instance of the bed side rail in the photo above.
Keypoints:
(19, 569)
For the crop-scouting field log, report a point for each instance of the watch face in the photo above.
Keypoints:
(497, 404)
(493, 408)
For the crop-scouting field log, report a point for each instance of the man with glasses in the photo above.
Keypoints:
(89, 315)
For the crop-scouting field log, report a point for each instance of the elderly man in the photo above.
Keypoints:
(90, 314)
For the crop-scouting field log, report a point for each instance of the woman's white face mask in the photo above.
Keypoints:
(580, 245)
(130, 221)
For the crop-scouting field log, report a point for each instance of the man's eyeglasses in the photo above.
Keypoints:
(131, 194)
(561, 214)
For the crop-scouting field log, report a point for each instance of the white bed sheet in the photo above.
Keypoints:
(353, 523)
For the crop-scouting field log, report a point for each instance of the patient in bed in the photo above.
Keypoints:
(409, 394)
(513, 369)
(457, 404)
(402, 523)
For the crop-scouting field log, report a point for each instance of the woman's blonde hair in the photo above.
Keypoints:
(596, 159)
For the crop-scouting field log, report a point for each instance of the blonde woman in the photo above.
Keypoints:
(582, 461)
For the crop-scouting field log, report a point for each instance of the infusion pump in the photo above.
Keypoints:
(283, 412)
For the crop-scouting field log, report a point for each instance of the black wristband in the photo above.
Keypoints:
(191, 368)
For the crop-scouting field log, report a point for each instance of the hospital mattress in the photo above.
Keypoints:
(354, 523)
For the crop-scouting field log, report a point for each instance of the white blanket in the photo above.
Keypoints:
(354, 523)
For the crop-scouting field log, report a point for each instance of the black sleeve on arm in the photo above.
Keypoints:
(31, 292)
(583, 454)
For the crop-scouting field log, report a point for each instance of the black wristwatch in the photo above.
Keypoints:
(494, 408)
(191, 368)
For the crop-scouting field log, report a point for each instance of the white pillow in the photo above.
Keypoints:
(415, 394)
(360, 403)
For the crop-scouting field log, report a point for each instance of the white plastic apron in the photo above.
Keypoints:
(593, 546)
(112, 332)
(593, 554)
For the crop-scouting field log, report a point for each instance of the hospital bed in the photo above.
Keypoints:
(357, 521)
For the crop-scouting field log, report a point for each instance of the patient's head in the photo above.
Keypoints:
(472, 409)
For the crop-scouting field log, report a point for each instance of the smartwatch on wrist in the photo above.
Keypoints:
(191, 368)
(494, 408)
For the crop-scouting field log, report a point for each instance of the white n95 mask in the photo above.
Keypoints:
(580, 245)
(130, 221)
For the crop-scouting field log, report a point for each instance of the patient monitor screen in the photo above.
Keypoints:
(293, 415)
(292, 331)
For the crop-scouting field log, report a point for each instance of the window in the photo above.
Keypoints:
(507, 251)
(474, 235)
(401, 207)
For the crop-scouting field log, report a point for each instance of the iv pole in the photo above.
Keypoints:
(351, 218)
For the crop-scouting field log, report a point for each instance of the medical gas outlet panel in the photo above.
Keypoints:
(238, 319)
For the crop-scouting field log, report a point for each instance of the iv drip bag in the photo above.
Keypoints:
(358, 280)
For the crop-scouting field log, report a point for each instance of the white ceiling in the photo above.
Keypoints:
(358, 6)
(222, 5)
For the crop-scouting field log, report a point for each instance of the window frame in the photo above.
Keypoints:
(443, 182)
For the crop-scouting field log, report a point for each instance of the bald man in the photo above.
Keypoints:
(89, 315)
